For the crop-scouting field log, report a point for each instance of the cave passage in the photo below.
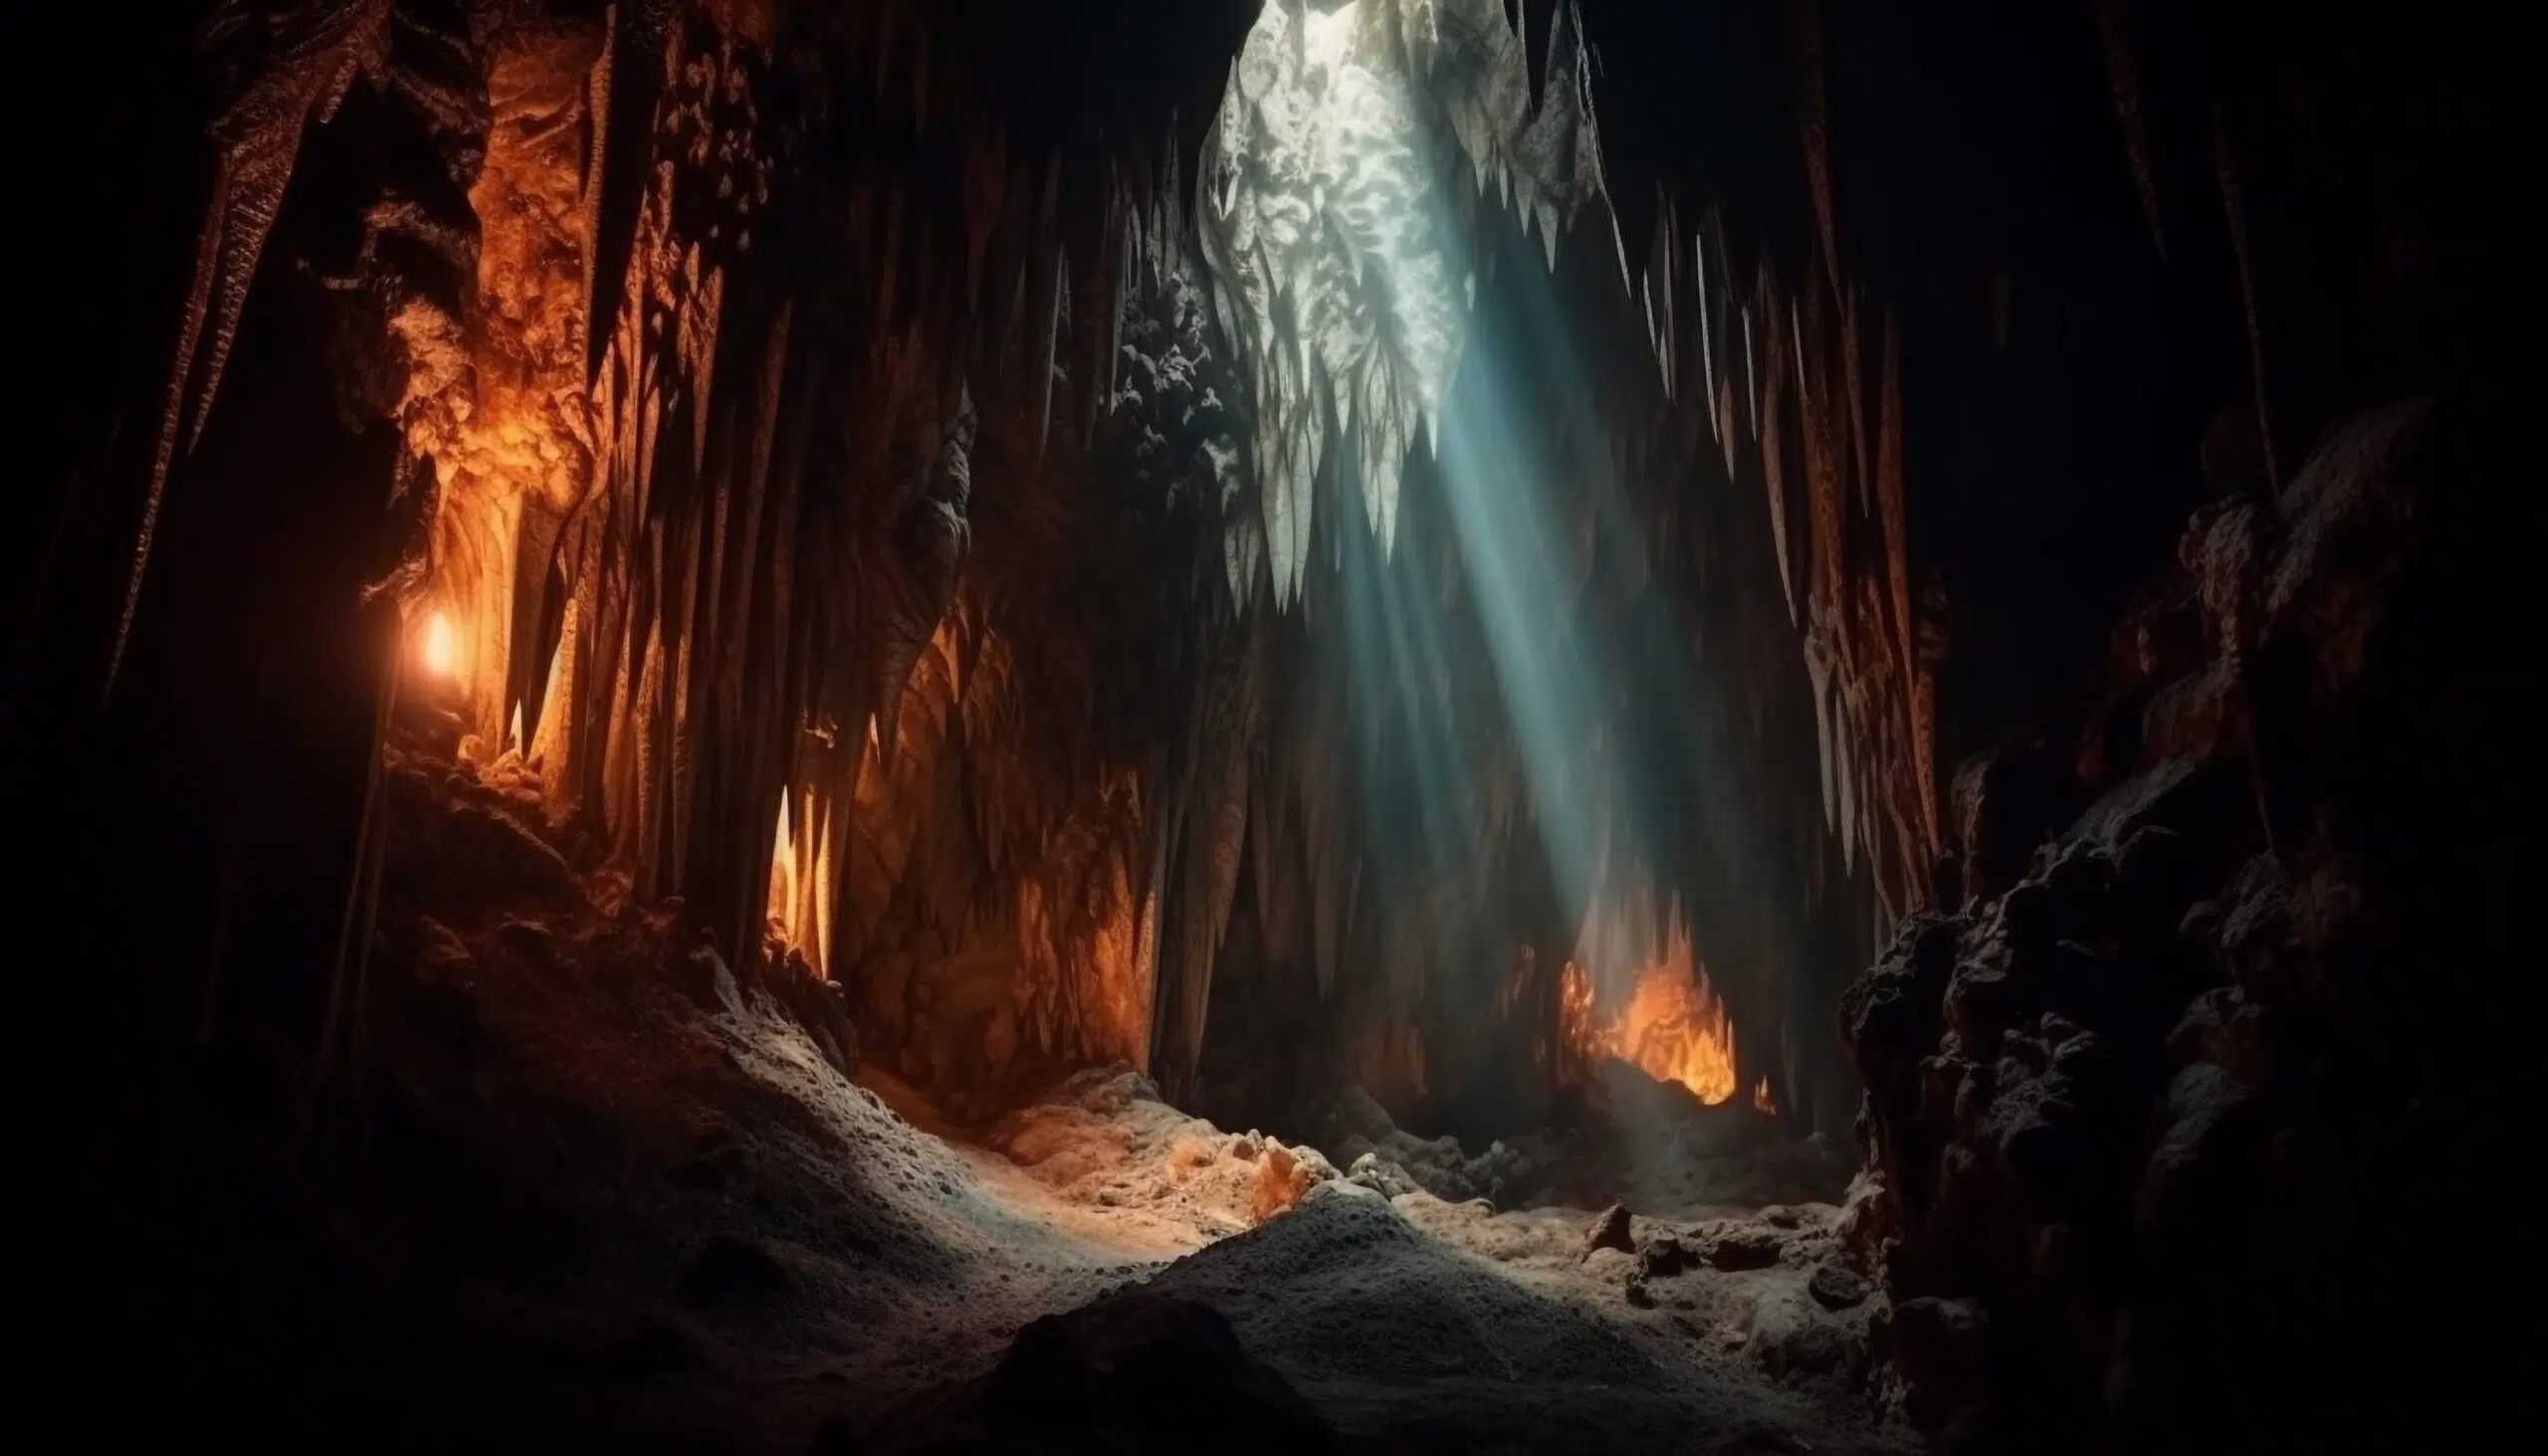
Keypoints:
(1378, 726)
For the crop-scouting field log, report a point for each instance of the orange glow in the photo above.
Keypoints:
(1761, 1098)
(441, 647)
(1579, 1020)
(802, 879)
(1673, 1026)
(782, 873)
(1676, 1028)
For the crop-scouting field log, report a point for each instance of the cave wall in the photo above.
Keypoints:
(2138, 1115)
(2144, 1102)
(853, 582)
(201, 662)
(741, 375)
(842, 421)
(1724, 613)
(827, 417)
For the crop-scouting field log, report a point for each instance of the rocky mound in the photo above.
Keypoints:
(1105, 1139)
(1136, 1374)
(2155, 1114)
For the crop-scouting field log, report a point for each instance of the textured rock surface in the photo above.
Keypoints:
(1416, 1325)
(1102, 1136)
(1132, 1374)
(631, 1172)
(1610, 1231)
(2128, 1114)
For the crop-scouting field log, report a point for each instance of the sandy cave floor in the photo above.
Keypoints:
(601, 1195)
(705, 1238)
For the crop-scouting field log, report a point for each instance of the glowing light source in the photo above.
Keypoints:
(1355, 147)
(801, 878)
(782, 872)
(441, 647)
(1677, 1030)
(1673, 1027)
(1761, 1098)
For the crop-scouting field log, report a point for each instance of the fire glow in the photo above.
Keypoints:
(1676, 1029)
(1673, 1028)
(440, 649)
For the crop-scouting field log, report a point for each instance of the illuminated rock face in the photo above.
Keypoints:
(1341, 186)
(520, 457)
(1339, 249)
(699, 527)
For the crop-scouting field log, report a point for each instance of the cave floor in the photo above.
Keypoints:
(610, 1213)
(599, 1194)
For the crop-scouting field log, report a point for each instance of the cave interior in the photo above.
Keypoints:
(1193, 726)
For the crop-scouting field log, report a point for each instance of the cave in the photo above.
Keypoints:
(1216, 726)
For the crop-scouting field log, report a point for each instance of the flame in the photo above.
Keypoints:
(1673, 1026)
(441, 647)
(1761, 1098)
(1676, 1028)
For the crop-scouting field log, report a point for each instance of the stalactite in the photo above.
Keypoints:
(1707, 338)
(1827, 578)
(1726, 426)
(1845, 755)
(1751, 376)
(1328, 359)
(1853, 380)
(2233, 203)
(1771, 474)
(626, 84)
(2123, 74)
(788, 581)
(1825, 736)
(1888, 488)
(316, 51)
(1813, 130)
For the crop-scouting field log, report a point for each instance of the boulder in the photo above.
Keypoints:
(1837, 1287)
(1610, 1231)
(1665, 1256)
(1132, 1374)
(1942, 1349)
(1281, 1180)
(1382, 1178)
(1746, 1248)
